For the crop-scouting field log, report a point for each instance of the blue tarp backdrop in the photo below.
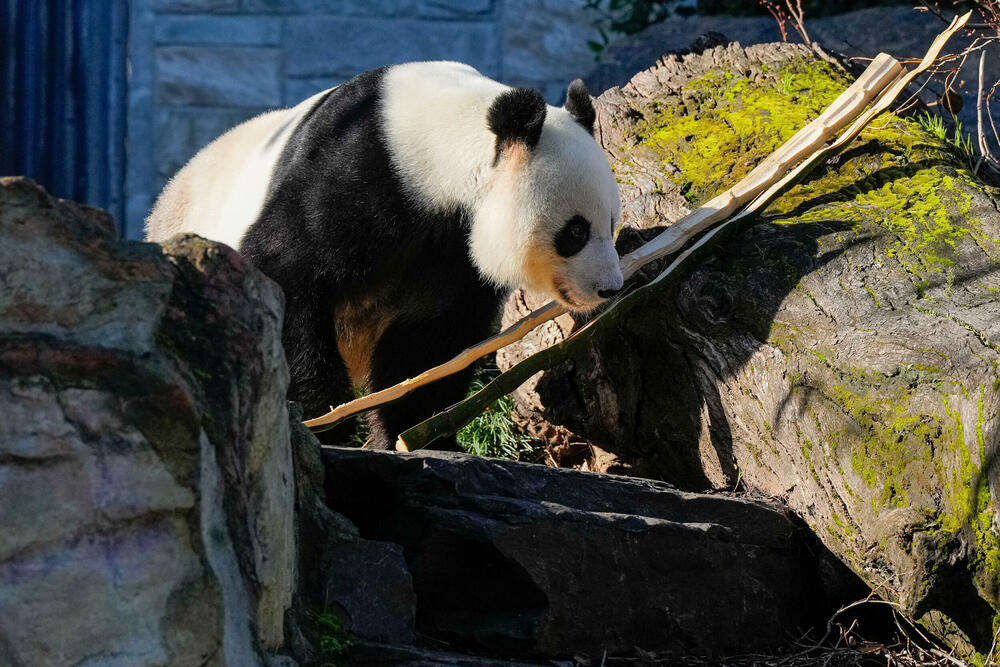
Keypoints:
(63, 92)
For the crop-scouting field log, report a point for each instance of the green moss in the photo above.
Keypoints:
(896, 176)
(845, 528)
(970, 503)
(726, 115)
(895, 448)
(874, 296)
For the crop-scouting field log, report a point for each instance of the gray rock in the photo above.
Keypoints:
(145, 492)
(520, 559)
(812, 355)
(364, 44)
(218, 76)
(366, 583)
(370, 582)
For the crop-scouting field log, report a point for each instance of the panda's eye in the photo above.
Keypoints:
(572, 237)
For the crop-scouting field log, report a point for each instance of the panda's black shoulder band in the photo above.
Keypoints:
(579, 105)
(517, 115)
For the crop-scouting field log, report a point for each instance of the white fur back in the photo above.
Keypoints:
(221, 191)
(435, 127)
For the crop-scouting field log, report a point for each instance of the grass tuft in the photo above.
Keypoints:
(332, 637)
(492, 433)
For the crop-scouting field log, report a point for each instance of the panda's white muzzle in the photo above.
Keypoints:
(591, 276)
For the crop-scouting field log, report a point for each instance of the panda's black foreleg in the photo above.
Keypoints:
(407, 349)
(318, 375)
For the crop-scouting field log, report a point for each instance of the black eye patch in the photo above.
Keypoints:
(572, 237)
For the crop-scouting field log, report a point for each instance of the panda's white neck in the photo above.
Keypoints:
(435, 127)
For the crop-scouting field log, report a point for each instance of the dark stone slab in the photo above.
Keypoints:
(518, 559)
(367, 583)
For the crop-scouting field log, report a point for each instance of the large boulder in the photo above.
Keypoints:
(525, 560)
(146, 490)
(365, 584)
(840, 354)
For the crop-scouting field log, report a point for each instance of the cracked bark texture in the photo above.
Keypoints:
(841, 354)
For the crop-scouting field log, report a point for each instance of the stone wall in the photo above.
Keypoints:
(198, 67)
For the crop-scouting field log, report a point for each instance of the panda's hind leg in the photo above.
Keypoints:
(406, 349)
(319, 376)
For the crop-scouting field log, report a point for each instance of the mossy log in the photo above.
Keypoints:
(840, 354)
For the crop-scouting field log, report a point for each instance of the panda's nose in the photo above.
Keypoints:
(607, 293)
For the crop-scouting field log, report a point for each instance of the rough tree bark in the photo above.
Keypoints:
(841, 354)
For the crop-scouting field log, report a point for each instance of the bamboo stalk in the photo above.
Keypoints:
(460, 414)
(511, 334)
(884, 71)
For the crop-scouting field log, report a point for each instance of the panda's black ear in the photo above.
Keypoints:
(517, 116)
(579, 106)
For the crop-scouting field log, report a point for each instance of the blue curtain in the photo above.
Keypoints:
(63, 96)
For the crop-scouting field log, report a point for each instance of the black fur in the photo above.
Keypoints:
(516, 115)
(580, 106)
(334, 225)
(572, 237)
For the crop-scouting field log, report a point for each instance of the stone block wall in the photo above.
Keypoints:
(198, 67)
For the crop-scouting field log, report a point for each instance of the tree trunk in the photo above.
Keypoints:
(841, 354)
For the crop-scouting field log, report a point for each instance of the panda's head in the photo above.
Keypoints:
(550, 205)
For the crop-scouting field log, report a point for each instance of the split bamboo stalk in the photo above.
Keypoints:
(881, 73)
(467, 357)
(458, 415)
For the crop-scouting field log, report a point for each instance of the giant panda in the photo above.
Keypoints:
(397, 211)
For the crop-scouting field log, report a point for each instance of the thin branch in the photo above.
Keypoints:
(984, 149)
(463, 360)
